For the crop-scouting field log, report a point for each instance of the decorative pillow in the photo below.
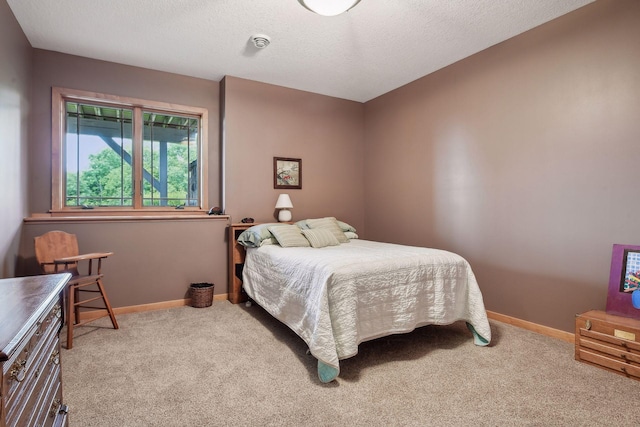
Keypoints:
(302, 224)
(289, 236)
(346, 227)
(320, 237)
(350, 235)
(254, 237)
(269, 241)
(343, 225)
(331, 224)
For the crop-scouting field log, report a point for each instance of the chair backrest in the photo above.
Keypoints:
(55, 245)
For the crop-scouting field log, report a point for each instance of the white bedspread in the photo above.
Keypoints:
(337, 297)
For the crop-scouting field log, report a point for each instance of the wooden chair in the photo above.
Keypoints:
(56, 252)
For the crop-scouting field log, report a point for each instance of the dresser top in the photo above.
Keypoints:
(22, 301)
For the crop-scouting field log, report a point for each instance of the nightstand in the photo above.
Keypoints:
(236, 263)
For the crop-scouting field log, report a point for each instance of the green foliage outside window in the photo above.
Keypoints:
(108, 179)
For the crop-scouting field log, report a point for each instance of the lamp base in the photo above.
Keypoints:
(284, 215)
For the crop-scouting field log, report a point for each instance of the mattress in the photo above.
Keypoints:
(336, 297)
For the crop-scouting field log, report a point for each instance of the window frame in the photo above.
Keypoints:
(59, 97)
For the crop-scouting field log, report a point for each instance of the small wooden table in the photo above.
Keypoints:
(609, 342)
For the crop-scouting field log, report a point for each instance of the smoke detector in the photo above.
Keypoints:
(261, 40)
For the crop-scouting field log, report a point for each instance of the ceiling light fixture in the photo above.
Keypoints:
(329, 7)
(261, 40)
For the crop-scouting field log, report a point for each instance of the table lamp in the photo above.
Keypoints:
(284, 204)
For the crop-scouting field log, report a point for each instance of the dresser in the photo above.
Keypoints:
(31, 313)
(609, 342)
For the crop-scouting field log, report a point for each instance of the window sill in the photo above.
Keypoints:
(121, 216)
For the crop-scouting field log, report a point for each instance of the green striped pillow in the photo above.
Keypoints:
(319, 238)
(328, 223)
(288, 236)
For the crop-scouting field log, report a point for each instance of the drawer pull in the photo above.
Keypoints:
(587, 325)
(58, 407)
(55, 357)
(18, 371)
(55, 406)
(38, 329)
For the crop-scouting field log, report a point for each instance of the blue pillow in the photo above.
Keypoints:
(254, 237)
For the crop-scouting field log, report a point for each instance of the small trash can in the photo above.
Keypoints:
(201, 294)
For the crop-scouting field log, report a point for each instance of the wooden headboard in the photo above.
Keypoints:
(236, 263)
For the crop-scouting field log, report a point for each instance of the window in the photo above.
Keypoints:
(116, 153)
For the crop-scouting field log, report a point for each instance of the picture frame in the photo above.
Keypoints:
(625, 263)
(287, 173)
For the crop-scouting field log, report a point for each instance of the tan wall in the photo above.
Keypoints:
(263, 121)
(154, 261)
(15, 71)
(523, 158)
(75, 72)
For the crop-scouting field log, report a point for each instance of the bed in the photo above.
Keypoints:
(336, 296)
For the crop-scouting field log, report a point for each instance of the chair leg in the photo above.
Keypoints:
(71, 316)
(114, 322)
(76, 298)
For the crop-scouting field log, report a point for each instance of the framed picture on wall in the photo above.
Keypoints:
(287, 173)
(624, 279)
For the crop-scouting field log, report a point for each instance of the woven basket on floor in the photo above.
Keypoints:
(201, 294)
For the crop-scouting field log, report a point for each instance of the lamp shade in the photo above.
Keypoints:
(284, 202)
(329, 7)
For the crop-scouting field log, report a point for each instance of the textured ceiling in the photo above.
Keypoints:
(374, 48)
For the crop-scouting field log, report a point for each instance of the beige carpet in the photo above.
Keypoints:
(229, 365)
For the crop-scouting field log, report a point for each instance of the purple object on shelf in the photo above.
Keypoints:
(618, 302)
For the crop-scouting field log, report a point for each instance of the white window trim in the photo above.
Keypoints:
(58, 98)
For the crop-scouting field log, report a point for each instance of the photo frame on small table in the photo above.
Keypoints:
(624, 276)
(287, 173)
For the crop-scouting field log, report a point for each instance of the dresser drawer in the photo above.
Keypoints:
(612, 346)
(609, 342)
(613, 364)
(53, 412)
(48, 404)
(31, 369)
(35, 401)
(30, 322)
